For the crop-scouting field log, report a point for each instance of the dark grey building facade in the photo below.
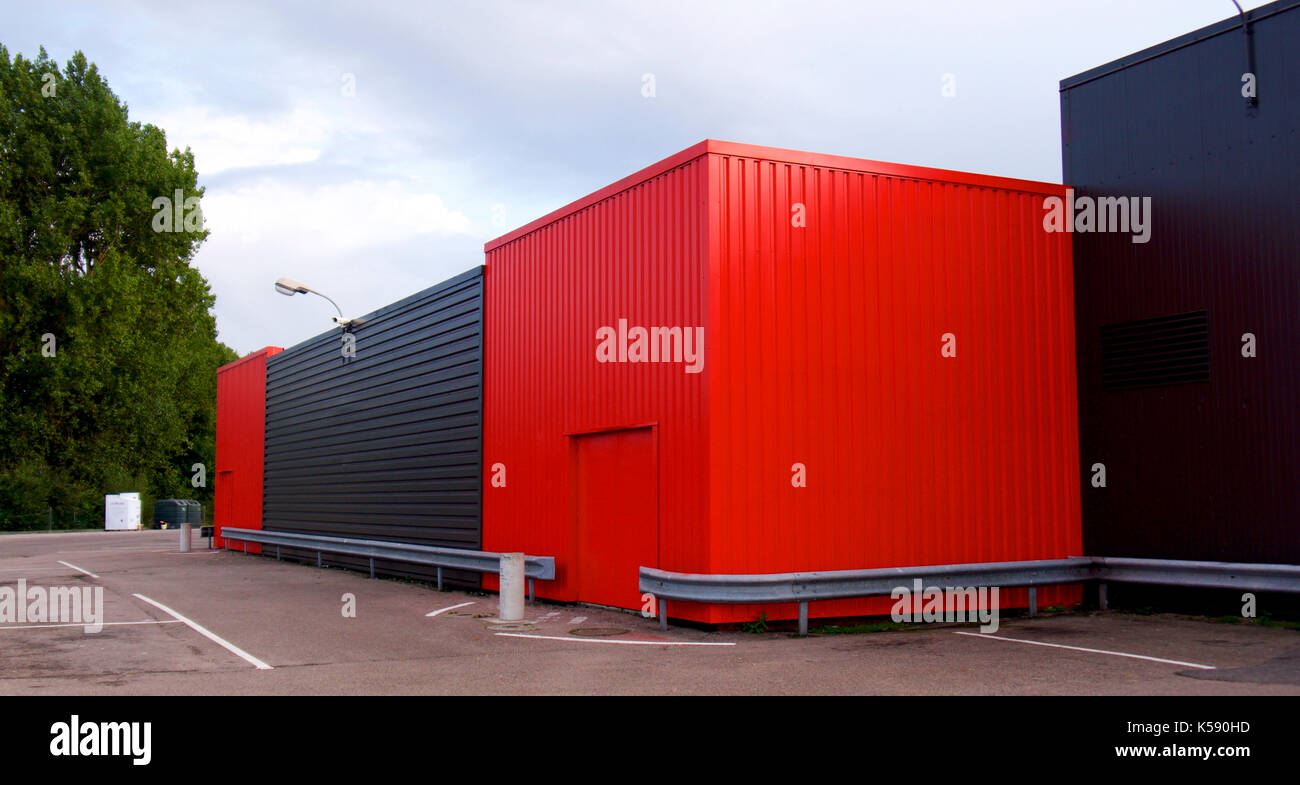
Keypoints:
(1189, 369)
(385, 444)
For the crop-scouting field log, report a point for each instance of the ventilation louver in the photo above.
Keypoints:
(1156, 352)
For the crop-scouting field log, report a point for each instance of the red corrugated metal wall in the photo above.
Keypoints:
(636, 254)
(822, 348)
(241, 431)
(827, 353)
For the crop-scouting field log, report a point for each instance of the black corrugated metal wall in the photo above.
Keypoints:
(386, 444)
(1201, 445)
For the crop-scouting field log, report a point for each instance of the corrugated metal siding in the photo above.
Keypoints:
(386, 445)
(822, 347)
(638, 254)
(1205, 470)
(826, 351)
(241, 411)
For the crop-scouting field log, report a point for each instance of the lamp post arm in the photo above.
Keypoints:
(336, 305)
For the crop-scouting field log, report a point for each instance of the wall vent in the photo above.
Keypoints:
(1156, 352)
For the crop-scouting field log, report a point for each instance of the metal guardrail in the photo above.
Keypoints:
(535, 567)
(805, 587)
(1199, 574)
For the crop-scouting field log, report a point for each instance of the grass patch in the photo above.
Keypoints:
(1285, 624)
(1264, 619)
(858, 629)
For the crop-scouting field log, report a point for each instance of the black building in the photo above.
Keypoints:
(383, 441)
(1189, 391)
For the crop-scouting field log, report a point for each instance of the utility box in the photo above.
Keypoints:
(122, 511)
(171, 513)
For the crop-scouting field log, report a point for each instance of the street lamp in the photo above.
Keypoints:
(289, 287)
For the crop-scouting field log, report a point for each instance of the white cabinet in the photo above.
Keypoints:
(122, 511)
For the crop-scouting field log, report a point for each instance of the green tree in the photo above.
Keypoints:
(108, 346)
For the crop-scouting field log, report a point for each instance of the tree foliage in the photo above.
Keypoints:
(108, 346)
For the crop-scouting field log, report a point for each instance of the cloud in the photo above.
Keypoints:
(363, 242)
(330, 219)
(223, 141)
(462, 106)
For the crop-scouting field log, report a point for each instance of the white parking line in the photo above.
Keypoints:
(1093, 651)
(30, 569)
(609, 640)
(449, 608)
(232, 648)
(103, 624)
(78, 569)
(199, 552)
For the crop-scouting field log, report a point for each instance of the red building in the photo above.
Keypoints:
(886, 376)
(241, 431)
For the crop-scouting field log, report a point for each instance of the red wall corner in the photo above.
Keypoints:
(241, 432)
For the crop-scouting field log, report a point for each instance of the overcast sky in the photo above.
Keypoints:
(370, 149)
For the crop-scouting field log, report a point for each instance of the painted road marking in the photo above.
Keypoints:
(200, 552)
(577, 620)
(1093, 651)
(103, 624)
(78, 569)
(608, 640)
(232, 648)
(449, 608)
(30, 569)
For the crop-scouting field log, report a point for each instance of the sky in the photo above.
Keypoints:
(370, 149)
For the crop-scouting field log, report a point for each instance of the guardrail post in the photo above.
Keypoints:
(1033, 600)
(531, 598)
(1102, 600)
(318, 563)
(277, 553)
(372, 566)
(803, 618)
(512, 587)
(663, 614)
(185, 538)
(439, 579)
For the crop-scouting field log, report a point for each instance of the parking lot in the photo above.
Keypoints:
(212, 622)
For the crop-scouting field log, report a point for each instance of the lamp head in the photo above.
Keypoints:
(289, 287)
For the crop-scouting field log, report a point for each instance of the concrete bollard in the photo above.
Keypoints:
(512, 587)
(185, 537)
